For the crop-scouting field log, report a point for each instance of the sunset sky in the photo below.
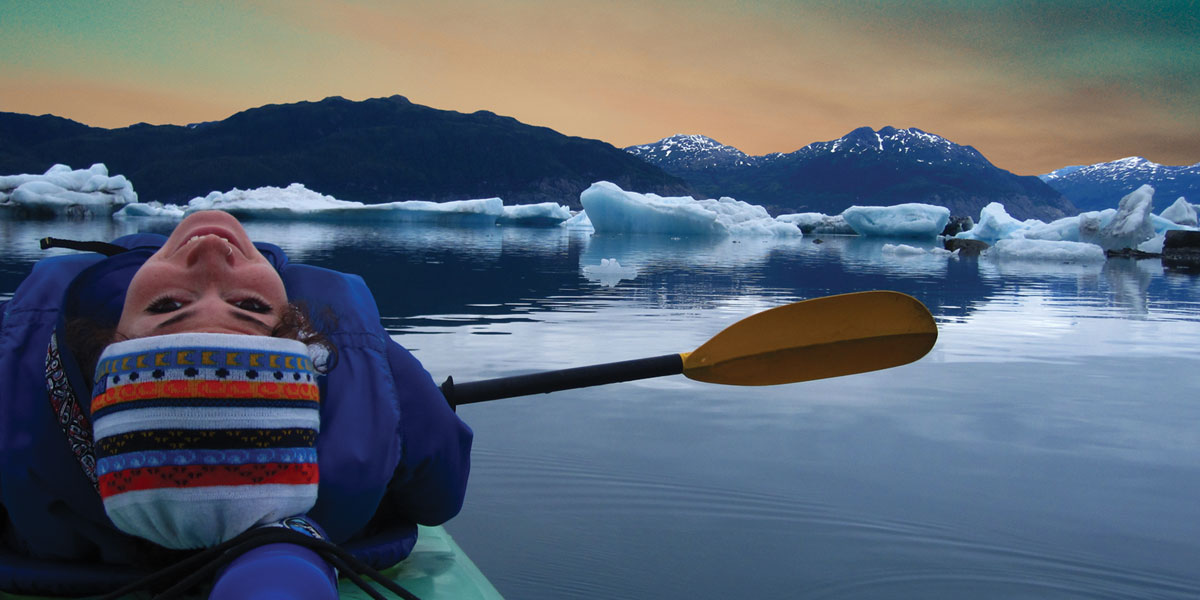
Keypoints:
(1033, 85)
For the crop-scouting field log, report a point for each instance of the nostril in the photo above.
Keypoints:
(210, 248)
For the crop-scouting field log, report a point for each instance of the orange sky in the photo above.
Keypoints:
(1034, 89)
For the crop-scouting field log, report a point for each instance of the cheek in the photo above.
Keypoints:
(140, 291)
(266, 282)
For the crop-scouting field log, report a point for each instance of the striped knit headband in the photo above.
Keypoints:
(201, 436)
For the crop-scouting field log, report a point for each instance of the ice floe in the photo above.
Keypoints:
(1023, 249)
(63, 191)
(1181, 213)
(1131, 225)
(544, 214)
(613, 210)
(298, 202)
(902, 220)
(812, 222)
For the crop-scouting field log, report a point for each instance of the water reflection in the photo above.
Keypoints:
(1045, 448)
(420, 271)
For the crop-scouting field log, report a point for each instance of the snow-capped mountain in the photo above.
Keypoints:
(1102, 185)
(692, 152)
(916, 146)
(864, 167)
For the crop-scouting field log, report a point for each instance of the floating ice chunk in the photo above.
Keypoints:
(1132, 224)
(150, 210)
(1045, 250)
(901, 220)
(544, 214)
(579, 221)
(63, 191)
(1065, 229)
(819, 223)
(1154, 245)
(903, 249)
(298, 202)
(613, 210)
(1181, 213)
(609, 272)
(906, 250)
(996, 224)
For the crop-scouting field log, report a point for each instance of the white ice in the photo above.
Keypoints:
(298, 202)
(542, 214)
(1045, 250)
(63, 191)
(994, 224)
(150, 209)
(1181, 213)
(812, 222)
(906, 250)
(578, 221)
(1132, 224)
(613, 210)
(902, 220)
(609, 272)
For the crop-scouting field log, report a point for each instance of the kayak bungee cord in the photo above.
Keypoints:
(193, 570)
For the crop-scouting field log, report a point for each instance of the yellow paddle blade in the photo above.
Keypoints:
(815, 339)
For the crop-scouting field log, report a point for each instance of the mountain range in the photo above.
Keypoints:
(1100, 186)
(864, 167)
(377, 150)
(387, 149)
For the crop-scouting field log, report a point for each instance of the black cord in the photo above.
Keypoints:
(104, 248)
(190, 572)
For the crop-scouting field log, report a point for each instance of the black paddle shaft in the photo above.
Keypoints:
(564, 379)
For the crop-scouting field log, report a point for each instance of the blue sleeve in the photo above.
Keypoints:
(430, 481)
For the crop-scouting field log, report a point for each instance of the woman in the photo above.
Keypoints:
(391, 452)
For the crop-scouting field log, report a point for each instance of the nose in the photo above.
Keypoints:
(209, 251)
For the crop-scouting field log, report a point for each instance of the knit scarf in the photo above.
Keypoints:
(201, 436)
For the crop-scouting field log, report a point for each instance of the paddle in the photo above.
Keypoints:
(802, 341)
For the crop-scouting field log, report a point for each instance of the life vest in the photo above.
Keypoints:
(391, 451)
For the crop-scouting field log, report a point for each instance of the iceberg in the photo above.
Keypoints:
(544, 214)
(995, 224)
(150, 210)
(1132, 224)
(1181, 213)
(62, 191)
(812, 222)
(901, 220)
(298, 202)
(613, 210)
(906, 250)
(1045, 250)
(578, 221)
(1079, 228)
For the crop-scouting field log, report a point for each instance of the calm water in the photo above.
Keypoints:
(1048, 447)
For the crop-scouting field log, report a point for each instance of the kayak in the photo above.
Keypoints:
(437, 569)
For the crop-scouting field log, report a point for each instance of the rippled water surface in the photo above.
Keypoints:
(1048, 446)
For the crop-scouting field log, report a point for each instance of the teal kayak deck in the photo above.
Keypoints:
(437, 569)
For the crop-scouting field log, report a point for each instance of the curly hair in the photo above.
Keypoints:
(87, 339)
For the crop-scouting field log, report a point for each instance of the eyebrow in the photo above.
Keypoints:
(235, 314)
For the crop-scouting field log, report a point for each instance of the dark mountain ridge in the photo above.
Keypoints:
(865, 167)
(377, 150)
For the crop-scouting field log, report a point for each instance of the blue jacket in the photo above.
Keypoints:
(391, 451)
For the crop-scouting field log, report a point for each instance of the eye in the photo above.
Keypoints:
(165, 304)
(253, 305)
